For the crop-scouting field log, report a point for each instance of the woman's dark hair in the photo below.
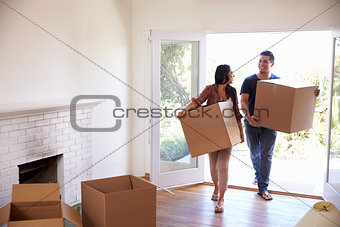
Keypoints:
(222, 71)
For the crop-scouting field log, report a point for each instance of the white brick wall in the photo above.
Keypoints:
(29, 138)
(4, 122)
(26, 125)
(18, 120)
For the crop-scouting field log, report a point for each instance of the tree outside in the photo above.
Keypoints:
(175, 93)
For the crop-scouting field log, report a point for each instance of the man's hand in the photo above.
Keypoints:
(253, 121)
(317, 92)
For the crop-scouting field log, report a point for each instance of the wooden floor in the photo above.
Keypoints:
(191, 206)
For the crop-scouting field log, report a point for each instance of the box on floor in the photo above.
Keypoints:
(35, 205)
(118, 201)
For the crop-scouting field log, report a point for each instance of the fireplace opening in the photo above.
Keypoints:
(41, 171)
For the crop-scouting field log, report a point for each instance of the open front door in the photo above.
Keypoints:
(178, 75)
(332, 174)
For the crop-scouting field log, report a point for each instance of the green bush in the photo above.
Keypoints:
(173, 149)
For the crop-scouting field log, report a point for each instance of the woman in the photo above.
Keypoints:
(219, 160)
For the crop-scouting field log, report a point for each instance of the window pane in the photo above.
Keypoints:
(178, 83)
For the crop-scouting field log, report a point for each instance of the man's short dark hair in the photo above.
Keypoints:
(268, 53)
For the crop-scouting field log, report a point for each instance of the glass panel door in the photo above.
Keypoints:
(177, 73)
(178, 81)
(334, 158)
(332, 185)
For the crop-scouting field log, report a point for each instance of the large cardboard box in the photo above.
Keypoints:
(210, 128)
(37, 205)
(285, 106)
(118, 201)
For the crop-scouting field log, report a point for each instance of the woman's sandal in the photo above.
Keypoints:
(219, 209)
(214, 197)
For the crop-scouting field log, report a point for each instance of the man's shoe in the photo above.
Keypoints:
(265, 195)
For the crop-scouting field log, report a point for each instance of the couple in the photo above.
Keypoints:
(260, 140)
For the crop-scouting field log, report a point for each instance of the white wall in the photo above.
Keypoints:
(35, 66)
(108, 41)
(211, 16)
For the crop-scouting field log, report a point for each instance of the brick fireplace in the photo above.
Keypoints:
(37, 132)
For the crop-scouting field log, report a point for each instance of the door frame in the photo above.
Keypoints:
(329, 193)
(186, 176)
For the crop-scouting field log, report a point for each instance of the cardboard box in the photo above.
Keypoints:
(285, 106)
(118, 201)
(210, 128)
(35, 205)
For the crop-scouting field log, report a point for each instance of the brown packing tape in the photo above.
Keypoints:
(70, 214)
(4, 213)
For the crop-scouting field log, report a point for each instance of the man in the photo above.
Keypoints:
(260, 140)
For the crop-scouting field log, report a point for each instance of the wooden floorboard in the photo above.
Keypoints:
(271, 191)
(191, 206)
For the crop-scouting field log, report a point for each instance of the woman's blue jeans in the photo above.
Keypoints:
(261, 142)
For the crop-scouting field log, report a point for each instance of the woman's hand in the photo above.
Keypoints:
(317, 92)
(181, 114)
(241, 130)
(191, 106)
(242, 136)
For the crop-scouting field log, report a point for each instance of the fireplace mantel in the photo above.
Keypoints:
(32, 108)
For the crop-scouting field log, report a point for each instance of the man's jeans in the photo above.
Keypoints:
(261, 142)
